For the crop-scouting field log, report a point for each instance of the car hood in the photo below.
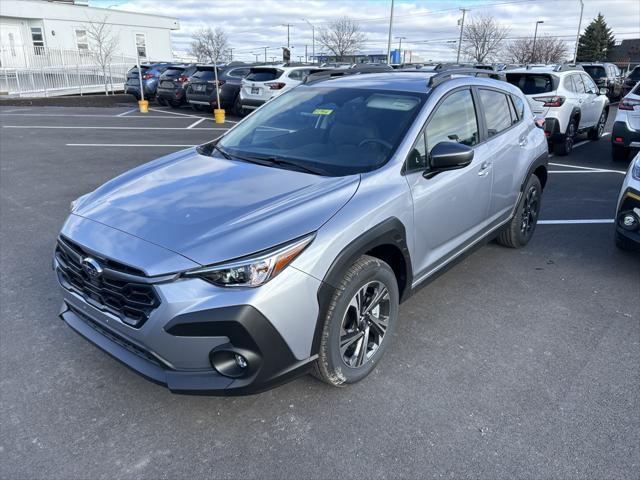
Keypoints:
(210, 209)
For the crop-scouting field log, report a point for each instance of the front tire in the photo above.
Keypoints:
(520, 228)
(359, 322)
(597, 131)
(564, 147)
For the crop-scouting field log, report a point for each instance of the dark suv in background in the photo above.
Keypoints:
(201, 90)
(172, 89)
(150, 75)
(606, 75)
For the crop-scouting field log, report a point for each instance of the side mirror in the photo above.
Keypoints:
(448, 156)
(603, 91)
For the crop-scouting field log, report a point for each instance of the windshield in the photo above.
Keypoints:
(595, 71)
(263, 74)
(204, 75)
(336, 131)
(531, 83)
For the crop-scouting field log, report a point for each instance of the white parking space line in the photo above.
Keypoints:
(176, 113)
(127, 112)
(576, 222)
(90, 115)
(105, 128)
(583, 169)
(197, 122)
(125, 145)
(5, 112)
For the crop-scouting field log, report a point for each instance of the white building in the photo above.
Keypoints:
(29, 27)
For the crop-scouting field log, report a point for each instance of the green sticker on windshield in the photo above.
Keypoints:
(322, 111)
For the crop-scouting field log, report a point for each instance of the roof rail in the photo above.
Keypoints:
(446, 74)
(564, 67)
(341, 72)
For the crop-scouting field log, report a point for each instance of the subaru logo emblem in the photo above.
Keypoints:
(91, 267)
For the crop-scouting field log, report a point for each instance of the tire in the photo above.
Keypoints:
(564, 147)
(237, 107)
(197, 108)
(175, 104)
(520, 228)
(618, 153)
(596, 132)
(343, 321)
(161, 101)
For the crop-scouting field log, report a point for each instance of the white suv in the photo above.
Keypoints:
(265, 82)
(569, 100)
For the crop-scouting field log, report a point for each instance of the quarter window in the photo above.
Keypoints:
(496, 111)
(141, 45)
(82, 41)
(519, 104)
(590, 86)
(454, 121)
(577, 80)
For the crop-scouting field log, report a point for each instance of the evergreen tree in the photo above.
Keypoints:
(597, 41)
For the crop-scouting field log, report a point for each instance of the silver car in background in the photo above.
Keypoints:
(287, 245)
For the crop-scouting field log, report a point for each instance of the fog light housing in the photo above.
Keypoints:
(234, 362)
(629, 221)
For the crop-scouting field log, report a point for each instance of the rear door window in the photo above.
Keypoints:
(497, 114)
(453, 121)
(531, 83)
(519, 104)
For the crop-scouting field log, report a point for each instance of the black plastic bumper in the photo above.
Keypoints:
(621, 131)
(246, 102)
(271, 361)
(171, 93)
(630, 200)
(552, 130)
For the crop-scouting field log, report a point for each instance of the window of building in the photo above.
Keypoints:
(12, 44)
(37, 38)
(82, 41)
(141, 45)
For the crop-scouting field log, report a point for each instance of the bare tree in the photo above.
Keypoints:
(342, 37)
(482, 39)
(209, 45)
(103, 42)
(548, 50)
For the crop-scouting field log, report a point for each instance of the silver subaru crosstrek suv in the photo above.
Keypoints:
(286, 245)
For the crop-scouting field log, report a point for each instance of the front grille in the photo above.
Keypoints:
(112, 291)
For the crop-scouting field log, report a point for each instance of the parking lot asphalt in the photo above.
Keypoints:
(514, 364)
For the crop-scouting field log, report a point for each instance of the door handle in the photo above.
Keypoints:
(484, 169)
(523, 141)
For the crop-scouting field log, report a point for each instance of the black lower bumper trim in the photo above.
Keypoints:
(620, 130)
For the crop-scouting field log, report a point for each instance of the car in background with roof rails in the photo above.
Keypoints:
(627, 234)
(630, 81)
(625, 135)
(606, 75)
(173, 83)
(286, 245)
(150, 76)
(201, 91)
(567, 98)
(266, 82)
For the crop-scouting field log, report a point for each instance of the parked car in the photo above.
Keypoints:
(173, 84)
(567, 98)
(150, 75)
(265, 82)
(201, 92)
(287, 244)
(630, 80)
(606, 75)
(628, 212)
(626, 127)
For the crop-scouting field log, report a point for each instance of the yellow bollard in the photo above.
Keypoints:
(144, 106)
(218, 113)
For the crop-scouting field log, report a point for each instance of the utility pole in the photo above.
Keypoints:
(265, 54)
(464, 12)
(535, 35)
(400, 46)
(256, 54)
(313, 40)
(575, 53)
(288, 25)
(389, 39)
(306, 56)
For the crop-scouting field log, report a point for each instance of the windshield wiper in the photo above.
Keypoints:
(272, 160)
(222, 152)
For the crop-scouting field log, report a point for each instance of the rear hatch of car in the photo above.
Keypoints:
(172, 78)
(536, 86)
(133, 75)
(261, 83)
(631, 105)
(202, 84)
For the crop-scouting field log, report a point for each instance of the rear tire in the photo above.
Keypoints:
(161, 101)
(237, 107)
(564, 147)
(359, 323)
(175, 103)
(596, 132)
(619, 153)
(520, 228)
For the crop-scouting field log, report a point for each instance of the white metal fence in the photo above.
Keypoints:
(41, 71)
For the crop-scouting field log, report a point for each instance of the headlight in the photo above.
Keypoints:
(635, 170)
(254, 270)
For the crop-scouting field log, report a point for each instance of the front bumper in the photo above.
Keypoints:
(629, 204)
(624, 136)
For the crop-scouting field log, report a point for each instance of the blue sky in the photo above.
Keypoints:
(430, 26)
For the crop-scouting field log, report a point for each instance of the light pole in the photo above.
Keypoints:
(256, 54)
(313, 40)
(535, 35)
(575, 53)
(400, 46)
(389, 39)
(288, 25)
(464, 11)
